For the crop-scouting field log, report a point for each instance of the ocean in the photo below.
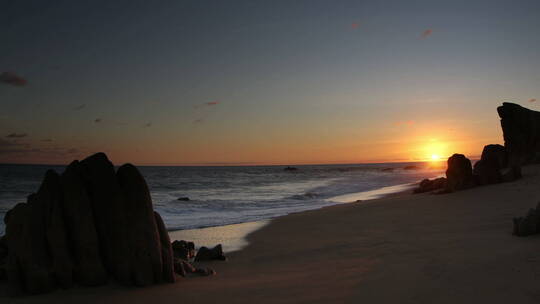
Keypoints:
(227, 195)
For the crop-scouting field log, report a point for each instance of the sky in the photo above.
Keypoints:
(261, 82)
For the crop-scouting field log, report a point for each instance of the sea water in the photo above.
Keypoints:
(227, 195)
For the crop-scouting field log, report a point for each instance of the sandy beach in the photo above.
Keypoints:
(453, 248)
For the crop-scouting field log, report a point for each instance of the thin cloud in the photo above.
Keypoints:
(197, 121)
(80, 107)
(13, 79)
(97, 120)
(208, 104)
(355, 25)
(427, 33)
(148, 125)
(532, 100)
(17, 135)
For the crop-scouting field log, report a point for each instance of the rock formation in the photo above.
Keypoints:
(84, 227)
(428, 185)
(459, 173)
(529, 224)
(206, 254)
(493, 167)
(521, 131)
(489, 168)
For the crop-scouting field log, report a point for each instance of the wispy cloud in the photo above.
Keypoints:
(147, 125)
(79, 107)
(17, 135)
(355, 25)
(197, 121)
(532, 100)
(208, 104)
(13, 79)
(97, 120)
(427, 33)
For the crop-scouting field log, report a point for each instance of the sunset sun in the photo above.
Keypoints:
(435, 157)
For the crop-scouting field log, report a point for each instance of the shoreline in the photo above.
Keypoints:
(233, 237)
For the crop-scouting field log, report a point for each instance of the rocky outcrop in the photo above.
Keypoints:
(429, 185)
(521, 131)
(183, 250)
(74, 230)
(529, 224)
(206, 254)
(459, 173)
(488, 170)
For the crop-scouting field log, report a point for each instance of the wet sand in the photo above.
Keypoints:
(452, 248)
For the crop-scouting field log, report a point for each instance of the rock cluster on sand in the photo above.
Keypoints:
(428, 185)
(528, 224)
(521, 131)
(492, 168)
(86, 226)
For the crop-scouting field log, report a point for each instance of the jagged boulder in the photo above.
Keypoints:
(488, 170)
(75, 230)
(183, 250)
(428, 185)
(521, 131)
(529, 224)
(459, 173)
(206, 254)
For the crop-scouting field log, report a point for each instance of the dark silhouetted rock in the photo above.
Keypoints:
(166, 250)
(3, 258)
(29, 265)
(144, 242)
(290, 169)
(109, 215)
(488, 170)
(511, 174)
(38, 253)
(387, 169)
(428, 185)
(529, 224)
(74, 229)
(81, 231)
(183, 250)
(50, 197)
(3, 248)
(459, 173)
(205, 254)
(521, 131)
(183, 267)
(185, 199)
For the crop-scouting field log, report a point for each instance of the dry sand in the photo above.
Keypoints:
(453, 248)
